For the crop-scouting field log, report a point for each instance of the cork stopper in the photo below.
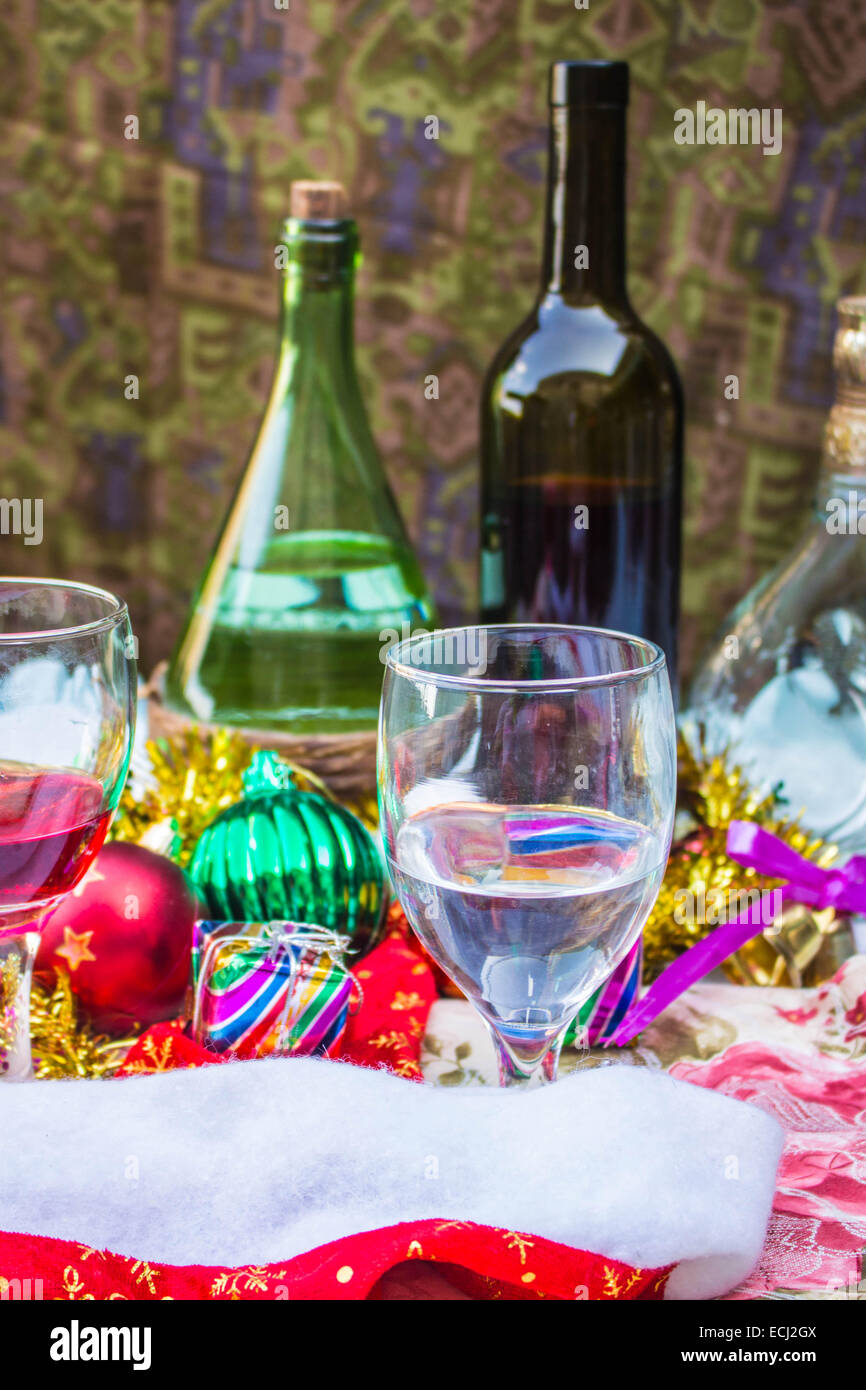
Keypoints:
(317, 200)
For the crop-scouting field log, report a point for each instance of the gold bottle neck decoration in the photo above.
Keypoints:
(844, 450)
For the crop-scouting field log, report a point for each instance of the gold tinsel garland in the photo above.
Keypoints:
(712, 793)
(190, 779)
(196, 775)
(65, 1045)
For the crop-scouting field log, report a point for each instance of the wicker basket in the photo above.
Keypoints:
(347, 762)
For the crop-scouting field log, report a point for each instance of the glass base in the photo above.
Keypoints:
(528, 1068)
(17, 955)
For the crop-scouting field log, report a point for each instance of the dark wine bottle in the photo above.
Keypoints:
(581, 422)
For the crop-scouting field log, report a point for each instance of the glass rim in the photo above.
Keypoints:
(118, 610)
(395, 662)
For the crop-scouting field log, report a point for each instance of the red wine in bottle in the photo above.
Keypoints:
(581, 421)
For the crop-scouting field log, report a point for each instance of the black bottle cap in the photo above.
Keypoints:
(589, 84)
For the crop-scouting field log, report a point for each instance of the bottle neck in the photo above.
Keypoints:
(318, 322)
(317, 307)
(584, 247)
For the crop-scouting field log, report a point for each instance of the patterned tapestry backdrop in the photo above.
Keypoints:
(154, 256)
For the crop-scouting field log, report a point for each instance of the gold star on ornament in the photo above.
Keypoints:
(76, 947)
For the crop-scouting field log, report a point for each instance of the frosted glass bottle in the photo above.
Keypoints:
(784, 688)
(313, 567)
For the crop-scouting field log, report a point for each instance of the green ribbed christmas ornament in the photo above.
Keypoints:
(282, 853)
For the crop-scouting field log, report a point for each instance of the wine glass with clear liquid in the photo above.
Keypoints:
(527, 777)
(67, 715)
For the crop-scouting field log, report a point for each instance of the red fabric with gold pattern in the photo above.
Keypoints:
(455, 1259)
(164, 1047)
(399, 991)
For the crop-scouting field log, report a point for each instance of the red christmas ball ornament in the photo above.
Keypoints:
(124, 936)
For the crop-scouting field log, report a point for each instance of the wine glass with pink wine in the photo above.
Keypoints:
(67, 716)
(526, 788)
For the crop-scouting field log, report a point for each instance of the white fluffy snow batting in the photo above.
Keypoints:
(252, 1163)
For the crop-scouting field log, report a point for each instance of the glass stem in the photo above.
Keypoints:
(537, 1070)
(550, 1060)
(17, 955)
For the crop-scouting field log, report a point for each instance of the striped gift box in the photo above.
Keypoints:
(269, 988)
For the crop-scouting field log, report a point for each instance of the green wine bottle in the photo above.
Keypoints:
(581, 422)
(313, 568)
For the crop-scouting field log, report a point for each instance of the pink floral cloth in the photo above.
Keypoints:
(801, 1055)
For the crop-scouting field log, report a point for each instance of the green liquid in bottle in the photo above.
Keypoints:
(299, 640)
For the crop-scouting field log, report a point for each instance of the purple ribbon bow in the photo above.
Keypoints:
(843, 889)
